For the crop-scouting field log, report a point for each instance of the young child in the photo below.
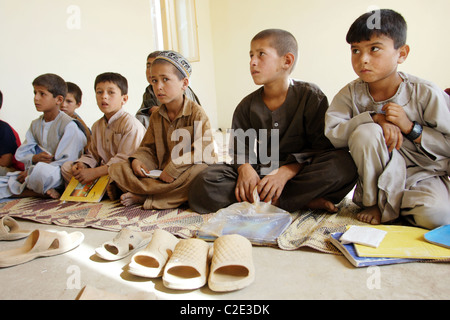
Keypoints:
(396, 126)
(52, 139)
(115, 136)
(10, 142)
(72, 103)
(178, 142)
(150, 102)
(286, 117)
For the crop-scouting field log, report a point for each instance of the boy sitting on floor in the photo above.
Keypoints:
(286, 118)
(150, 102)
(396, 126)
(52, 139)
(178, 142)
(115, 136)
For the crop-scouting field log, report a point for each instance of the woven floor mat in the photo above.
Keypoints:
(106, 215)
(309, 228)
(313, 228)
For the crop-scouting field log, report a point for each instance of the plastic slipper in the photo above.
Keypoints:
(41, 243)
(10, 230)
(126, 242)
(150, 261)
(232, 264)
(187, 268)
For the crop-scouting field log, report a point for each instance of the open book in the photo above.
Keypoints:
(91, 192)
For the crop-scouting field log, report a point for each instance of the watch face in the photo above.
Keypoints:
(416, 132)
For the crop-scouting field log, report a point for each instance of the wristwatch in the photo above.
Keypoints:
(415, 133)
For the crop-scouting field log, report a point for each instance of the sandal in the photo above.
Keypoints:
(10, 230)
(124, 243)
(232, 264)
(188, 266)
(41, 243)
(150, 261)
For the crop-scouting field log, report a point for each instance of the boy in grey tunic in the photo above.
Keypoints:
(397, 128)
(294, 165)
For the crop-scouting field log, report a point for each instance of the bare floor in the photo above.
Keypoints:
(280, 275)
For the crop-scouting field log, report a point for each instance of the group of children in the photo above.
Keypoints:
(387, 132)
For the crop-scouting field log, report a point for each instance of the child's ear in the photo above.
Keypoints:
(124, 99)
(185, 83)
(60, 100)
(289, 60)
(403, 53)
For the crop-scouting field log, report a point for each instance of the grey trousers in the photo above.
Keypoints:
(396, 184)
(331, 175)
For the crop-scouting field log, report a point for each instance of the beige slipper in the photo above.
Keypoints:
(41, 243)
(10, 230)
(188, 266)
(150, 262)
(232, 264)
(126, 242)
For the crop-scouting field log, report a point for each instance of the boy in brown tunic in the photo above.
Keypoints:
(295, 166)
(178, 142)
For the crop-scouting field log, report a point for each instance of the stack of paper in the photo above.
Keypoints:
(400, 244)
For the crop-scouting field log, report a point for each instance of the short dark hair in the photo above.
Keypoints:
(53, 83)
(281, 40)
(115, 78)
(154, 54)
(390, 24)
(75, 90)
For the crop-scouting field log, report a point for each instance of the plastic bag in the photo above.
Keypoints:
(260, 222)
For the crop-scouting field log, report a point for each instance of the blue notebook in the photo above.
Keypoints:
(439, 236)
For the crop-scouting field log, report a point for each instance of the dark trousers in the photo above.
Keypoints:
(330, 175)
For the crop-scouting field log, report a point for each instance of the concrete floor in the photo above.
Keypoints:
(280, 275)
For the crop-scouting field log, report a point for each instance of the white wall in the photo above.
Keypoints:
(320, 27)
(114, 35)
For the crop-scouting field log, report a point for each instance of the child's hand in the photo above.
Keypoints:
(397, 115)
(272, 185)
(137, 165)
(392, 133)
(85, 176)
(42, 157)
(78, 166)
(21, 177)
(247, 181)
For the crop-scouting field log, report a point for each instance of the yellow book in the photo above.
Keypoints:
(404, 242)
(91, 192)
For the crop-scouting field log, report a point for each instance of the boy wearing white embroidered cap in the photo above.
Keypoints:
(159, 150)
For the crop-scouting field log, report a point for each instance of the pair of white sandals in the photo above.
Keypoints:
(185, 264)
(40, 243)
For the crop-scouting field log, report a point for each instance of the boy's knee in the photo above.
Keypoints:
(431, 217)
(366, 136)
(66, 171)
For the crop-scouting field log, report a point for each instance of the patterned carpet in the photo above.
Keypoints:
(313, 228)
(106, 215)
(308, 229)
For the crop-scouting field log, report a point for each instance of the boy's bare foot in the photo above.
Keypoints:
(52, 193)
(322, 204)
(371, 215)
(111, 191)
(129, 199)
